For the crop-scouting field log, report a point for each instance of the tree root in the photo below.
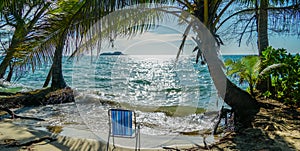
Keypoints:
(13, 115)
(171, 148)
(37, 98)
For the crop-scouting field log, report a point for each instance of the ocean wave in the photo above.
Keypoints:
(172, 90)
(174, 110)
(102, 79)
(9, 87)
(143, 82)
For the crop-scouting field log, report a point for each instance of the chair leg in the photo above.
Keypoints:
(114, 147)
(135, 143)
(107, 145)
(137, 139)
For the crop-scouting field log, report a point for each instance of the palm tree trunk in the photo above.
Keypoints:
(263, 41)
(10, 74)
(58, 81)
(20, 34)
(205, 21)
(242, 103)
(7, 59)
(47, 81)
(262, 30)
(5, 63)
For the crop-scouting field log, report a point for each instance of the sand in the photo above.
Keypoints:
(69, 139)
(10, 133)
(276, 128)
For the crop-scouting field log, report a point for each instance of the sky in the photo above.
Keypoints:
(167, 37)
(165, 40)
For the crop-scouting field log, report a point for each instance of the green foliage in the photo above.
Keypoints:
(285, 78)
(267, 94)
(21, 19)
(246, 68)
(282, 67)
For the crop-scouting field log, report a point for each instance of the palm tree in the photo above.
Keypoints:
(23, 16)
(241, 102)
(71, 20)
(281, 13)
(246, 69)
(59, 23)
(243, 105)
(262, 16)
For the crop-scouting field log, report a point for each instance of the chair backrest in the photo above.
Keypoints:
(122, 123)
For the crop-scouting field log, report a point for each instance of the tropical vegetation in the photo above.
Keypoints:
(284, 69)
(280, 66)
(245, 69)
(23, 17)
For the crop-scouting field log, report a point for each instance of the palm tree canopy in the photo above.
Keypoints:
(22, 17)
(283, 18)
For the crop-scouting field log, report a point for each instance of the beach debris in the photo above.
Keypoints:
(55, 129)
(223, 114)
(14, 116)
(11, 142)
(171, 148)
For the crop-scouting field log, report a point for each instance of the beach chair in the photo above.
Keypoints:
(122, 123)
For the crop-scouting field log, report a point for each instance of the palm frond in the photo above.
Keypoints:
(129, 24)
(185, 34)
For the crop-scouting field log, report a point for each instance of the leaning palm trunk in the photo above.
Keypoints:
(58, 81)
(24, 25)
(10, 73)
(9, 55)
(242, 103)
(4, 64)
(47, 81)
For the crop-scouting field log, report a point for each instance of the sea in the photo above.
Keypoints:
(170, 96)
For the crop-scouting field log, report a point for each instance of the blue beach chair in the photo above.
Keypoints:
(122, 123)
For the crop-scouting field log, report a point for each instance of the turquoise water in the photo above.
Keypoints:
(151, 80)
(145, 80)
(142, 83)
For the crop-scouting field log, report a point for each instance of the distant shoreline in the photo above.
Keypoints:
(111, 53)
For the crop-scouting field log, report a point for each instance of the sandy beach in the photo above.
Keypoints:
(275, 128)
(12, 136)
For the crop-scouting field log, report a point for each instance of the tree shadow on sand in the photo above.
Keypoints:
(275, 128)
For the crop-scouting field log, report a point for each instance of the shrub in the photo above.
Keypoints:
(285, 77)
